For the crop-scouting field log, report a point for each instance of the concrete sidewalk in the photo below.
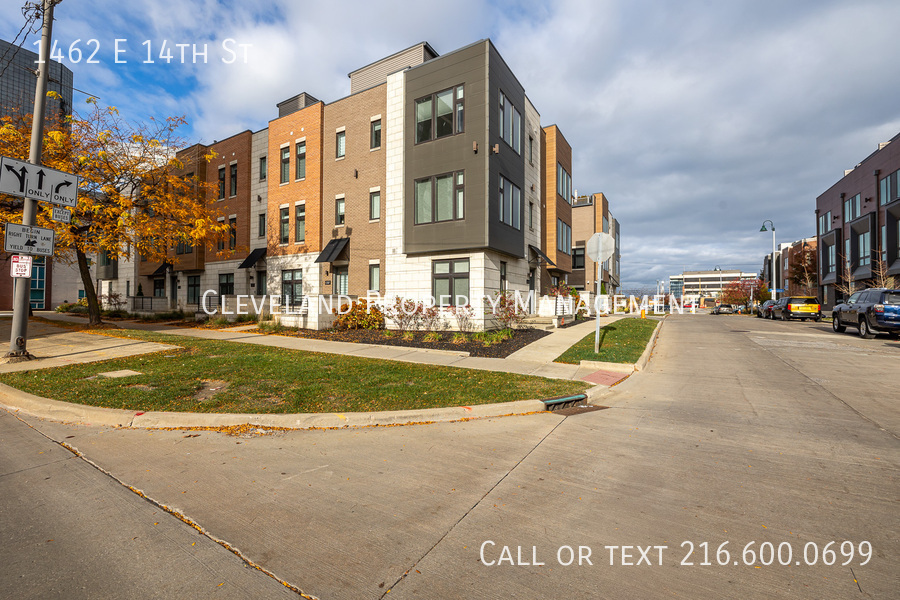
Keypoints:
(54, 346)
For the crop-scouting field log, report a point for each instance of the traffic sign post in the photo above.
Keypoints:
(599, 248)
(61, 215)
(18, 181)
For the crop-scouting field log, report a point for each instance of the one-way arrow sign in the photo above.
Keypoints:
(26, 180)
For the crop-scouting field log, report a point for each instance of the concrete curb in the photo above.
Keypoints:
(641, 364)
(17, 401)
(627, 367)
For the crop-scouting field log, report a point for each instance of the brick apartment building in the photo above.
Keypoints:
(858, 224)
(590, 214)
(433, 178)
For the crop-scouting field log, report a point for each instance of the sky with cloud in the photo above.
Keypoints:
(697, 119)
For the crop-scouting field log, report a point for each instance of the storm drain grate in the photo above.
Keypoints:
(578, 409)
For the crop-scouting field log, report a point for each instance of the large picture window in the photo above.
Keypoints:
(510, 201)
(440, 198)
(450, 282)
(510, 124)
(440, 114)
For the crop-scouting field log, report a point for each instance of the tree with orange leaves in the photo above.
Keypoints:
(132, 196)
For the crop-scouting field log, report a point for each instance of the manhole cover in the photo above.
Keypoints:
(577, 410)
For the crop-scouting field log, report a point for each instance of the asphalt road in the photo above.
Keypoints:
(773, 437)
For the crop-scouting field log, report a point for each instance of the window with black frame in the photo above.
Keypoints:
(450, 282)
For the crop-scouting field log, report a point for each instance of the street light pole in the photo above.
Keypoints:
(774, 283)
(19, 327)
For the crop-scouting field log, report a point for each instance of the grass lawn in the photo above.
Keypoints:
(256, 379)
(620, 342)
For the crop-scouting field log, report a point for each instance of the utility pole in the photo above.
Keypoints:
(21, 300)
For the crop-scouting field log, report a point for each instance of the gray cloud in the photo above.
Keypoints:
(698, 119)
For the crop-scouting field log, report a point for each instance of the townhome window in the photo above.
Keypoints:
(510, 124)
(339, 215)
(193, 289)
(340, 144)
(374, 277)
(890, 188)
(262, 225)
(300, 163)
(233, 180)
(440, 114)
(605, 225)
(159, 288)
(510, 201)
(865, 248)
(440, 198)
(848, 260)
(824, 223)
(103, 259)
(232, 233)
(226, 284)
(221, 183)
(832, 259)
(374, 206)
(220, 245)
(284, 225)
(503, 283)
(375, 135)
(563, 237)
(285, 164)
(262, 168)
(531, 216)
(292, 286)
(577, 258)
(852, 208)
(300, 223)
(563, 182)
(450, 282)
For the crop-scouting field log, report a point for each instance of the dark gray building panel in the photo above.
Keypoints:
(18, 83)
(467, 67)
(484, 74)
(507, 162)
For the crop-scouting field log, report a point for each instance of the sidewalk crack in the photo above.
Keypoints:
(473, 507)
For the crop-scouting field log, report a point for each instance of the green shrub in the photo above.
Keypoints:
(433, 336)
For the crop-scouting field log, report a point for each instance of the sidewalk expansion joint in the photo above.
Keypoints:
(473, 507)
(175, 513)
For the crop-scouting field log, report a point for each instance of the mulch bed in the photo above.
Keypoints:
(501, 349)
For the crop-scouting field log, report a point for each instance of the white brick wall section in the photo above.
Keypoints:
(393, 196)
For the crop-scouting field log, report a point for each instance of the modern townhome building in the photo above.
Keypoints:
(797, 268)
(433, 179)
(590, 214)
(858, 226)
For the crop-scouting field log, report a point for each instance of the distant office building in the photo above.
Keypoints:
(858, 225)
(18, 83)
(705, 284)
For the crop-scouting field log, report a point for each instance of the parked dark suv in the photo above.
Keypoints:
(875, 309)
(797, 307)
